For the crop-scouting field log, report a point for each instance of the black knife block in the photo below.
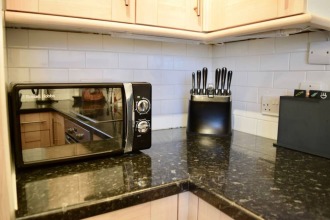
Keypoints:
(209, 115)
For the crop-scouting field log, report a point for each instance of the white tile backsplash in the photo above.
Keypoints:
(152, 76)
(85, 75)
(174, 106)
(298, 61)
(245, 94)
(271, 66)
(17, 38)
(79, 41)
(133, 61)
(117, 44)
(174, 77)
(274, 62)
(27, 58)
(294, 43)
(118, 75)
(48, 39)
(158, 62)
(239, 79)
(260, 79)
(18, 75)
(237, 49)
(67, 59)
(147, 47)
(49, 75)
(261, 46)
(161, 92)
(101, 60)
(289, 80)
(194, 50)
(174, 49)
(247, 63)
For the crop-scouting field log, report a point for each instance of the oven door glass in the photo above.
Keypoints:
(55, 123)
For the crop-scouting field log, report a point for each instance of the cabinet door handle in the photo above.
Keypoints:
(32, 122)
(127, 2)
(53, 128)
(198, 8)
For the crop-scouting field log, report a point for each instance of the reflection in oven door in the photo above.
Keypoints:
(74, 133)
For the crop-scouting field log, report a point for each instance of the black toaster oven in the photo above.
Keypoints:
(57, 122)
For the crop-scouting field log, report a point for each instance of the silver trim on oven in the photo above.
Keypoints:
(128, 90)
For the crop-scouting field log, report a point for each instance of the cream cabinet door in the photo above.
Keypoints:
(161, 209)
(58, 129)
(290, 7)
(180, 14)
(111, 10)
(207, 212)
(100, 9)
(22, 5)
(225, 14)
(123, 11)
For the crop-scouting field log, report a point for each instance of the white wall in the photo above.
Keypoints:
(74, 57)
(273, 66)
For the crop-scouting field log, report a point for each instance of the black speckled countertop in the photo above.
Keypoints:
(243, 176)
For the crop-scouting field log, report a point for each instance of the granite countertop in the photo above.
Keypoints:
(243, 176)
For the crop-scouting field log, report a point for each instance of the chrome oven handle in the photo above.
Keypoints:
(128, 90)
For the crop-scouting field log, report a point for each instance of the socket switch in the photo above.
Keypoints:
(270, 105)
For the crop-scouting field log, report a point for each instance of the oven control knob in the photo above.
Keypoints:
(72, 130)
(143, 106)
(80, 136)
(143, 127)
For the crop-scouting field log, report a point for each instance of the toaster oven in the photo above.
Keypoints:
(58, 122)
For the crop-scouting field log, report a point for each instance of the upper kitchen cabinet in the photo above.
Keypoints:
(179, 14)
(228, 14)
(22, 5)
(111, 10)
(290, 7)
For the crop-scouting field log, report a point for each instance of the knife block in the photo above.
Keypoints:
(209, 115)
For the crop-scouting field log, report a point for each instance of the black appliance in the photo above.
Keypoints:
(304, 125)
(82, 120)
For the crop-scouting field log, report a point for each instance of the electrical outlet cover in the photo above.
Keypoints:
(319, 53)
(270, 105)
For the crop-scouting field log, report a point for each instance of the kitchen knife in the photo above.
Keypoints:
(199, 73)
(230, 75)
(204, 80)
(223, 80)
(192, 92)
(217, 80)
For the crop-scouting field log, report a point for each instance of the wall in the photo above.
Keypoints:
(74, 57)
(7, 175)
(273, 66)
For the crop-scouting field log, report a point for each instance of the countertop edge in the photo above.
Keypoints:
(223, 204)
(113, 203)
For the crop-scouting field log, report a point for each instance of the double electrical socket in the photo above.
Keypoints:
(270, 105)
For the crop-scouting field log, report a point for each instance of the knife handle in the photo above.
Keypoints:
(193, 84)
(223, 80)
(204, 80)
(199, 73)
(230, 75)
(217, 80)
